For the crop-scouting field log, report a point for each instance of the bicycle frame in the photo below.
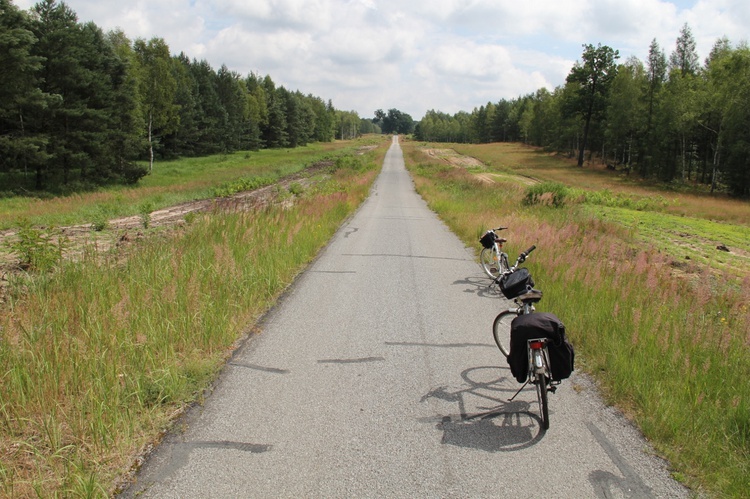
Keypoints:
(493, 260)
(499, 245)
(522, 308)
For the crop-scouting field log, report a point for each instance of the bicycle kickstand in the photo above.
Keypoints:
(519, 391)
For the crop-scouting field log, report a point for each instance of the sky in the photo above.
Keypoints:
(414, 55)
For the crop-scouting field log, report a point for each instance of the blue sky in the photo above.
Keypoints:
(414, 55)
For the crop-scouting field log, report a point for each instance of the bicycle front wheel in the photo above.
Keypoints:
(490, 262)
(501, 330)
(541, 392)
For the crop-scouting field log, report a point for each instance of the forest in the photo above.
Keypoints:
(670, 119)
(80, 108)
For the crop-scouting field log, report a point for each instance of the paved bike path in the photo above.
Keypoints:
(376, 376)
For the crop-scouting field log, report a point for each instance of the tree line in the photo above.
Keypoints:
(395, 121)
(671, 119)
(80, 107)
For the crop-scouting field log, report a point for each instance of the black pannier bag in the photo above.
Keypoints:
(488, 239)
(540, 325)
(516, 283)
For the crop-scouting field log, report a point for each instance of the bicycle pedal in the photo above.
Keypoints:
(552, 389)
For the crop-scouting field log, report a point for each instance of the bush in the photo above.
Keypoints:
(131, 173)
(350, 163)
(36, 248)
(546, 193)
(145, 210)
(243, 184)
(100, 219)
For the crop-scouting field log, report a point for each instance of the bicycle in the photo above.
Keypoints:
(494, 261)
(538, 366)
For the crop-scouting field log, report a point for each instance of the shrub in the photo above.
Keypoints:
(243, 184)
(36, 247)
(547, 193)
(145, 210)
(350, 163)
(100, 220)
(296, 189)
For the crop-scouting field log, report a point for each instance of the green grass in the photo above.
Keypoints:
(692, 242)
(668, 343)
(173, 182)
(98, 357)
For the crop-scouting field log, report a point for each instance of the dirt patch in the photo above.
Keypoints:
(453, 158)
(123, 232)
(485, 178)
(460, 161)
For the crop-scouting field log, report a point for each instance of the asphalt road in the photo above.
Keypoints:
(377, 376)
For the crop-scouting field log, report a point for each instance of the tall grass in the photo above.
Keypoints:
(672, 351)
(97, 358)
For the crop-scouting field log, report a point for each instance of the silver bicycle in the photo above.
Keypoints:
(494, 260)
(538, 372)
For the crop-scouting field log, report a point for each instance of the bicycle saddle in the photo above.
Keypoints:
(531, 296)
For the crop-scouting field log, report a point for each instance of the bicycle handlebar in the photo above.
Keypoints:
(522, 257)
(500, 228)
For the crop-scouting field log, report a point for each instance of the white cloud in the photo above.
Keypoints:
(241, 49)
(448, 55)
(276, 14)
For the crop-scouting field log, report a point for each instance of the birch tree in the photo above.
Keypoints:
(157, 89)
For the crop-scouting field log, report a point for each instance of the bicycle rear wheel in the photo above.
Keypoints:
(541, 392)
(501, 330)
(490, 263)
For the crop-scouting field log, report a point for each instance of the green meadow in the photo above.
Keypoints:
(175, 181)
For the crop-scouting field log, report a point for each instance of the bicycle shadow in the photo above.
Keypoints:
(480, 286)
(502, 426)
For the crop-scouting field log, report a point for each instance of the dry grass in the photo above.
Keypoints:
(533, 162)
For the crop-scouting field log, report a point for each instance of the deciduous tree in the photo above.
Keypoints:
(157, 88)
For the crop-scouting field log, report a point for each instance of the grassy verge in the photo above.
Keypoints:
(174, 182)
(669, 345)
(611, 187)
(98, 357)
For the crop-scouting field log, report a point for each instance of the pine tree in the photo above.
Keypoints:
(592, 78)
(684, 59)
(21, 146)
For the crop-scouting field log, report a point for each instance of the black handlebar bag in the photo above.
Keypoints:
(540, 325)
(516, 283)
(488, 239)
